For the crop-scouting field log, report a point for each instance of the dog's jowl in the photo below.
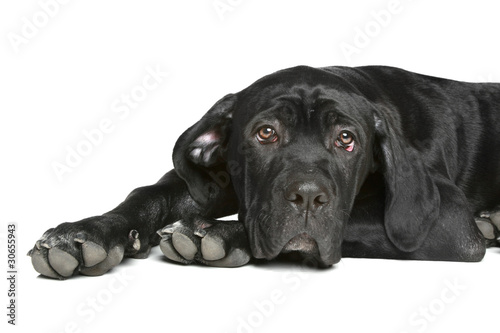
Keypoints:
(318, 163)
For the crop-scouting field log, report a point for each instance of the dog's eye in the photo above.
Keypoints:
(345, 140)
(267, 134)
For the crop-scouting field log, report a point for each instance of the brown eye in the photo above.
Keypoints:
(346, 137)
(345, 140)
(267, 134)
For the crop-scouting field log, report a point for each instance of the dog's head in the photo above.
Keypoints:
(296, 147)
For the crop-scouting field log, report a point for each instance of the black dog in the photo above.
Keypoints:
(361, 162)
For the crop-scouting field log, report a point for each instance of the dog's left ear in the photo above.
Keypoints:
(201, 150)
(412, 198)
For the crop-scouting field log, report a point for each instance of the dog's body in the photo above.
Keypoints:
(362, 162)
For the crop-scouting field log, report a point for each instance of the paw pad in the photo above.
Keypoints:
(489, 225)
(62, 253)
(201, 242)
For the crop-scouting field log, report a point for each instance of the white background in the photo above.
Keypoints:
(65, 78)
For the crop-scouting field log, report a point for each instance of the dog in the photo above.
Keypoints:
(319, 164)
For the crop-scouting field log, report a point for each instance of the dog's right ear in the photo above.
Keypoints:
(201, 149)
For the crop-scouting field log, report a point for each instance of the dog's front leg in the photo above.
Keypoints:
(94, 245)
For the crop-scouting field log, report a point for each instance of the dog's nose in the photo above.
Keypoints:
(307, 195)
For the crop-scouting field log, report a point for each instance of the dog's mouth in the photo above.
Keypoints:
(303, 249)
(317, 244)
(302, 243)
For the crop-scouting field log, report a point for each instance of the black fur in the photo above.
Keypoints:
(425, 162)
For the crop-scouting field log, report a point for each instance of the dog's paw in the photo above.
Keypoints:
(210, 242)
(80, 247)
(489, 225)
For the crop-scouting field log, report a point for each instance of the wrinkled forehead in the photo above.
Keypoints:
(300, 101)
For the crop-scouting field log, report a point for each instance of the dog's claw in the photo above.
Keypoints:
(81, 237)
(133, 236)
(45, 245)
(170, 228)
(200, 232)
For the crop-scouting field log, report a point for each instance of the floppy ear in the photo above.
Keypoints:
(201, 150)
(412, 199)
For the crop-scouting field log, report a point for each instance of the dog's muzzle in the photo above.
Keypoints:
(302, 243)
